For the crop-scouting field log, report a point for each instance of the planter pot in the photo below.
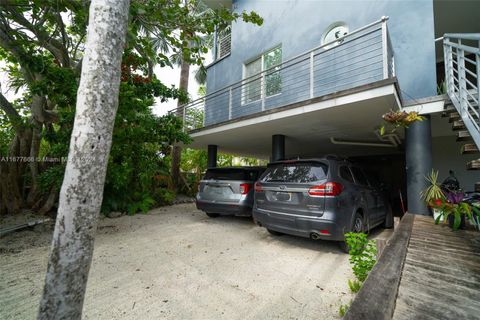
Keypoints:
(451, 220)
(437, 213)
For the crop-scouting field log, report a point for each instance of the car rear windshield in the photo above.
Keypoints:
(295, 172)
(231, 174)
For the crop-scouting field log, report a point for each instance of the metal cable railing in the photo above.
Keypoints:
(462, 75)
(358, 58)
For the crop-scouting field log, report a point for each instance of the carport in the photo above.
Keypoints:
(345, 124)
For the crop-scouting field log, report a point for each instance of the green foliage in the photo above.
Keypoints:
(363, 254)
(42, 58)
(457, 210)
(342, 311)
(354, 285)
(433, 191)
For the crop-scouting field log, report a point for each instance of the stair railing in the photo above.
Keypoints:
(462, 76)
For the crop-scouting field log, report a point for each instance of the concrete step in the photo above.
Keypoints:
(473, 165)
(469, 148)
(464, 135)
(458, 125)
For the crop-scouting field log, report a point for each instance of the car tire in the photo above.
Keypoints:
(388, 222)
(274, 233)
(212, 215)
(357, 227)
(343, 246)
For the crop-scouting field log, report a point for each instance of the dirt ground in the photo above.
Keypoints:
(176, 263)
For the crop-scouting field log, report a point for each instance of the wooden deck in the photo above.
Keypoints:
(426, 271)
(441, 274)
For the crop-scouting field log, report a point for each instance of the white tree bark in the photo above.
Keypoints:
(82, 189)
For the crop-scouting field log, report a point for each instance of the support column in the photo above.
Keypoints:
(418, 153)
(278, 147)
(212, 156)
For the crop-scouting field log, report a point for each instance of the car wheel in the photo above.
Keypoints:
(274, 233)
(212, 215)
(388, 222)
(343, 246)
(357, 227)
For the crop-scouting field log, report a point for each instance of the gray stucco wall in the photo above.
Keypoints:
(446, 156)
(298, 26)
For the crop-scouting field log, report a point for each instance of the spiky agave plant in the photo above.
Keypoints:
(433, 191)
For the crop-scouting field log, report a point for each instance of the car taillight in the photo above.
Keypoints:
(245, 187)
(258, 187)
(327, 189)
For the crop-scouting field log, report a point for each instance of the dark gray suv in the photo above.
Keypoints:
(228, 191)
(320, 199)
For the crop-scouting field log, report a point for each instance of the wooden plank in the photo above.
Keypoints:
(376, 298)
(441, 274)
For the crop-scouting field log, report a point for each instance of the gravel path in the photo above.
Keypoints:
(176, 263)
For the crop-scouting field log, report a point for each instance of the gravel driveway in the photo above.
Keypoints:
(176, 263)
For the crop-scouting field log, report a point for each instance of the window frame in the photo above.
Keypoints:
(262, 78)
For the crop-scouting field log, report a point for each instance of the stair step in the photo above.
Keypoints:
(458, 125)
(469, 148)
(473, 165)
(463, 135)
(454, 116)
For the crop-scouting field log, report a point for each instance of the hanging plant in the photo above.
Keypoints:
(400, 119)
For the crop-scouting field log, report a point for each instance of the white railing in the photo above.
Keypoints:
(358, 58)
(462, 76)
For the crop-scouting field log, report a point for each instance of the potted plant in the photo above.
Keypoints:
(434, 196)
(456, 211)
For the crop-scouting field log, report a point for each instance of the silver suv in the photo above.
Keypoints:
(320, 199)
(228, 191)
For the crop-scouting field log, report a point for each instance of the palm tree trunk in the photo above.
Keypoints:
(177, 150)
(82, 188)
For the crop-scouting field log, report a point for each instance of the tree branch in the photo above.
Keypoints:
(56, 48)
(12, 114)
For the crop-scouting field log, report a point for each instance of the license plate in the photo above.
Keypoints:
(283, 196)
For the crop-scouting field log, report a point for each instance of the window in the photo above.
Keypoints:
(333, 32)
(224, 42)
(296, 173)
(346, 174)
(360, 177)
(253, 89)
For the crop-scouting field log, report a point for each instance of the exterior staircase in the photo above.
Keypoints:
(462, 77)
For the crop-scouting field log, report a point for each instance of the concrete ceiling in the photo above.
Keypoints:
(308, 130)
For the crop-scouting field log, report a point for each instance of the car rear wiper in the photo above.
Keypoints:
(275, 180)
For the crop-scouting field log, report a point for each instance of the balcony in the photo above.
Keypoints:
(359, 58)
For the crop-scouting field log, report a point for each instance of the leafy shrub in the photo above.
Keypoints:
(354, 285)
(343, 309)
(164, 197)
(363, 254)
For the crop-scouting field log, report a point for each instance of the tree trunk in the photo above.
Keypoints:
(82, 189)
(177, 150)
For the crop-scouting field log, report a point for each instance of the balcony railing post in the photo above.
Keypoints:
(262, 90)
(230, 103)
(449, 67)
(184, 118)
(385, 48)
(462, 83)
(478, 77)
(311, 74)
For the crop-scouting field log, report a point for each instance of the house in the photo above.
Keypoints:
(317, 77)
